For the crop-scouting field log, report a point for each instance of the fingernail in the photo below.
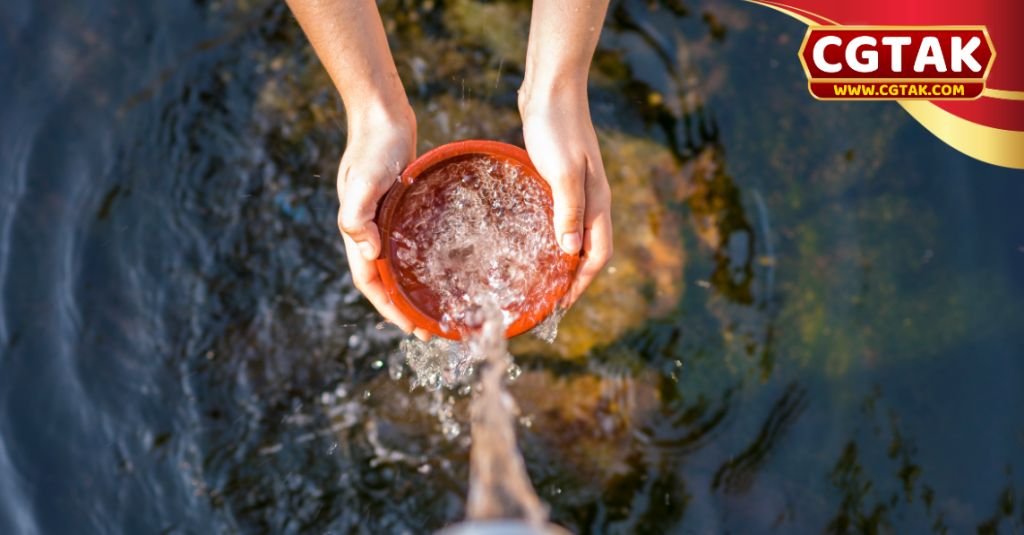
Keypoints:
(366, 249)
(571, 242)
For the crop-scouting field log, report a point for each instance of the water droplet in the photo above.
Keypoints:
(424, 469)
(465, 389)
(526, 421)
(679, 364)
(451, 429)
(353, 340)
(378, 364)
(366, 395)
(514, 371)
(395, 371)
(334, 446)
(341, 391)
(326, 398)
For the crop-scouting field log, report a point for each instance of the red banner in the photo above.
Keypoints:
(989, 128)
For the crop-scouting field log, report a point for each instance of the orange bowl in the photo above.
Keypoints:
(531, 312)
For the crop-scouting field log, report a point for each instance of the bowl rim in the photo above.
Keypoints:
(386, 209)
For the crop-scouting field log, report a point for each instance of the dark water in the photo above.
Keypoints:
(182, 350)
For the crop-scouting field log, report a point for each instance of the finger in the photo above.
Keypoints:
(597, 246)
(597, 240)
(367, 279)
(567, 191)
(422, 334)
(360, 196)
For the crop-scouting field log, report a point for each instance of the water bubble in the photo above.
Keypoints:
(326, 398)
(465, 389)
(514, 371)
(451, 429)
(341, 391)
(526, 421)
(480, 228)
(395, 371)
(353, 340)
(378, 364)
(366, 395)
(334, 446)
(424, 469)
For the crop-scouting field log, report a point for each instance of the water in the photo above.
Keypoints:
(174, 299)
(472, 229)
(499, 487)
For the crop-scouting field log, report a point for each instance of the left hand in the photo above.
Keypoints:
(561, 141)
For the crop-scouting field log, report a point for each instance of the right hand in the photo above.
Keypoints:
(381, 144)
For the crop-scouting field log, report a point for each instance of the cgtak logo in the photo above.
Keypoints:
(897, 62)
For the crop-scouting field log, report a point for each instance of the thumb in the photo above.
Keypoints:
(358, 209)
(570, 203)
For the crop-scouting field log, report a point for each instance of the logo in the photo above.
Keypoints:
(897, 62)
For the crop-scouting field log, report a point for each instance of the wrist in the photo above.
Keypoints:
(557, 78)
(367, 117)
(561, 96)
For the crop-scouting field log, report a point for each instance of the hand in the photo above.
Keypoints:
(381, 143)
(561, 141)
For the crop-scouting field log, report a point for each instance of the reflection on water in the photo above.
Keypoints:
(811, 322)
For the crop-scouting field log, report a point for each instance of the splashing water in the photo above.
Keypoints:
(472, 229)
(499, 486)
(480, 248)
(547, 330)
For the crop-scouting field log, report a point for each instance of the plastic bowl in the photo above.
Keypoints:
(531, 312)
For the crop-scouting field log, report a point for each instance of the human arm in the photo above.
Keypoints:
(349, 38)
(559, 133)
